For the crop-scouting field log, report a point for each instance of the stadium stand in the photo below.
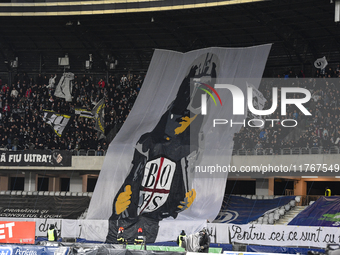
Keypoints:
(22, 126)
(22, 102)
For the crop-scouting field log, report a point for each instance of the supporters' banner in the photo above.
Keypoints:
(98, 112)
(324, 212)
(64, 87)
(321, 63)
(150, 163)
(42, 226)
(241, 210)
(44, 207)
(36, 158)
(83, 113)
(281, 235)
(17, 232)
(59, 122)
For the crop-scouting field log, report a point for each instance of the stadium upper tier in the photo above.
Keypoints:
(135, 28)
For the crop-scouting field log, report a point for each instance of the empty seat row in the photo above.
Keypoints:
(297, 198)
(258, 196)
(274, 216)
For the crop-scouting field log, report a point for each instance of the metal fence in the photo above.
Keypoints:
(287, 151)
(253, 152)
(303, 200)
(88, 153)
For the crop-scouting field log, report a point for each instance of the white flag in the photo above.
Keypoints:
(321, 63)
(64, 87)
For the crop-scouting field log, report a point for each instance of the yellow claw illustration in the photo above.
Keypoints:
(188, 200)
(123, 200)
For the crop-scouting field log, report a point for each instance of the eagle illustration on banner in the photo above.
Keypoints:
(158, 184)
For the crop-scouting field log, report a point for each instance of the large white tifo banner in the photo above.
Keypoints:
(148, 178)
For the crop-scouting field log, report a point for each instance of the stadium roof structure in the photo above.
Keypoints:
(300, 31)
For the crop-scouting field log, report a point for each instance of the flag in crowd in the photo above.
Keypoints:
(98, 113)
(64, 87)
(321, 63)
(83, 113)
(59, 122)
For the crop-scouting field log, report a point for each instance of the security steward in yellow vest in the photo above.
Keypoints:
(52, 235)
(180, 237)
(327, 192)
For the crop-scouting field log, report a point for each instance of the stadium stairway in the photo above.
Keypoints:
(290, 215)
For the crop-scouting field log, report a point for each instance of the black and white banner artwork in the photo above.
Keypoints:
(43, 207)
(148, 178)
(36, 158)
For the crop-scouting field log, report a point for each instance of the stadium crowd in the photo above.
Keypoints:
(22, 126)
(320, 131)
(21, 105)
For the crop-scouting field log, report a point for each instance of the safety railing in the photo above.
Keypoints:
(287, 151)
(45, 193)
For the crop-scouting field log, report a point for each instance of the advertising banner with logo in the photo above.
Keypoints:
(33, 250)
(148, 178)
(17, 232)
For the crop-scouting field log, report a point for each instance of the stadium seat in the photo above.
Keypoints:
(46, 193)
(57, 193)
(35, 193)
(51, 193)
(13, 192)
(90, 194)
(68, 193)
(276, 216)
(8, 192)
(24, 193)
(254, 197)
(282, 212)
(259, 196)
(311, 202)
(292, 203)
(297, 199)
(63, 193)
(265, 197)
(74, 194)
(79, 194)
(2, 192)
(271, 221)
(19, 192)
(29, 193)
(249, 196)
(41, 193)
(85, 194)
(287, 207)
